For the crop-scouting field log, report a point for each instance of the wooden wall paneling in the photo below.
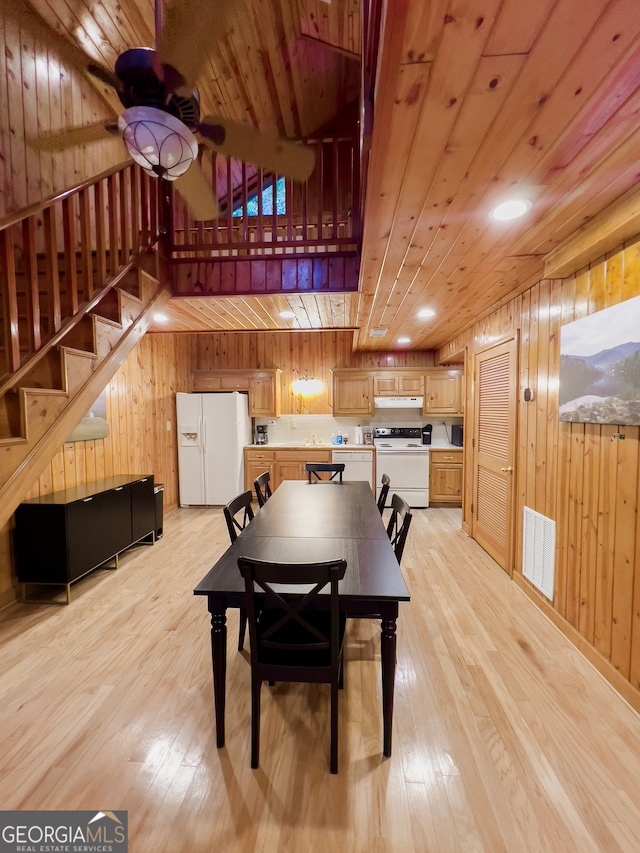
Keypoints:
(532, 410)
(605, 542)
(541, 398)
(552, 391)
(588, 540)
(5, 142)
(634, 666)
(522, 436)
(624, 569)
(17, 183)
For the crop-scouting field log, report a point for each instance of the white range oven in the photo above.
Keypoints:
(401, 455)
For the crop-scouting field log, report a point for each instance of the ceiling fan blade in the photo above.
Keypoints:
(197, 193)
(61, 140)
(191, 29)
(28, 18)
(273, 153)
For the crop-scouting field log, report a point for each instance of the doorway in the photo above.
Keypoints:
(495, 411)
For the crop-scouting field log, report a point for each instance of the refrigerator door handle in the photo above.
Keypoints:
(203, 451)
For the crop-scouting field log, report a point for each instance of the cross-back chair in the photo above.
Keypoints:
(314, 469)
(292, 640)
(262, 488)
(384, 491)
(235, 526)
(398, 525)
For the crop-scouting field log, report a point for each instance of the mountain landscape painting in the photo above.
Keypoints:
(600, 367)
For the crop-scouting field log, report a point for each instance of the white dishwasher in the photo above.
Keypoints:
(358, 464)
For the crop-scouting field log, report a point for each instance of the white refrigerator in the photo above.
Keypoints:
(212, 432)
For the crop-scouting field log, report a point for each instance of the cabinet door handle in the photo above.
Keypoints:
(119, 489)
(86, 500)
(507, 470)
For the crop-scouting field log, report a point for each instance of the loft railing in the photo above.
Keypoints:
(58, 256)
(322, 215)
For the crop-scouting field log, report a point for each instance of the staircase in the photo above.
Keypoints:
(68, 323)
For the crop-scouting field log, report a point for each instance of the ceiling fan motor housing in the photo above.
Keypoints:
(141, 87)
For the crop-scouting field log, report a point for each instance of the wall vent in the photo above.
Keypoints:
(538, 551)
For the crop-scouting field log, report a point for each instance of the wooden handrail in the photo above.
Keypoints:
(26, 212)
(60, 256)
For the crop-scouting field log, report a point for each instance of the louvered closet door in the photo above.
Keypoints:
(495, 427)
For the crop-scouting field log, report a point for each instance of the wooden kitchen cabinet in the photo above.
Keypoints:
(445, 477)
(443, 393)
(256, 462)
(352, 392)
(398, 383)
(290, 464)
(264, 394)
(263, 387)
(281, 464)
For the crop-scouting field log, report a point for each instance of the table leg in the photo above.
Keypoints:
(219, 663)
(388, 655)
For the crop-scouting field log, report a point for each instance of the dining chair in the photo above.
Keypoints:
(262, 488)
(384, 491)
(398, 525)
(235, 527)
(314, 469)
(290, 640)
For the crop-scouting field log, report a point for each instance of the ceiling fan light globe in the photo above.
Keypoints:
(158, 142)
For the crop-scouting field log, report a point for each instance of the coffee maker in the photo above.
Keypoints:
(262, 434)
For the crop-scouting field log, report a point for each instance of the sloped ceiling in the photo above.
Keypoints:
(475, 101)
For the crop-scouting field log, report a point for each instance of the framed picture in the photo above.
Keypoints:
(94, 423)
(600, 367)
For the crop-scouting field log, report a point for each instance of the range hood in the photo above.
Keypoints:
(398, 402)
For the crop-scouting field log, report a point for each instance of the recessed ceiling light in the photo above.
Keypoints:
(511, 209)
(404, 340)
(427, 312)
(287, 315)
(160, 318)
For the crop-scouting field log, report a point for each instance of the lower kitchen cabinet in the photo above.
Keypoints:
(281, 464)
(445, 477)
(256, 462)
(62, 536)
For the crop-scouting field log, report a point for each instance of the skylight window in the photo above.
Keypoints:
(267, 201)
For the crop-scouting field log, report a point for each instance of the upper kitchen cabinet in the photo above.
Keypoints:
(398, 383)
(263, 387)
(264, 393)
(443, 393)
(352, 392)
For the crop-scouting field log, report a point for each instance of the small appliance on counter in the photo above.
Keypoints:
(427, 429)
(457, 434)
(262, 434)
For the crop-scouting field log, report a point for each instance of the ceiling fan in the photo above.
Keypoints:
(161, 121)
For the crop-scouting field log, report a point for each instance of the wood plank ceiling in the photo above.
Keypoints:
(476, 101)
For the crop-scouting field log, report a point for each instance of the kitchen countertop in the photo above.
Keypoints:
(297, 445)
(438, 444)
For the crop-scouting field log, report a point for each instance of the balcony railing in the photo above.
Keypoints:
(319, 216)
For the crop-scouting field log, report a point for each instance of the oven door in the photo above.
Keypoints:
(408, 471)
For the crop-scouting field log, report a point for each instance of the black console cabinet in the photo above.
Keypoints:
(62, 536)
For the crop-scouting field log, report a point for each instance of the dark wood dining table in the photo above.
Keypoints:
(308, 522)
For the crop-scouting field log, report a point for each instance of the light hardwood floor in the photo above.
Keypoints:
(505, 739)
